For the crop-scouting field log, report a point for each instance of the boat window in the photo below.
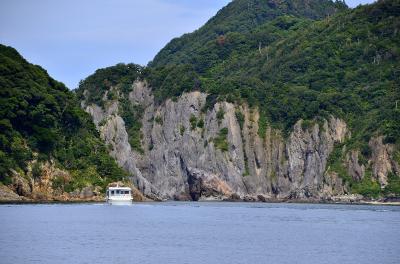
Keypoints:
(112, 192)
(126, 192)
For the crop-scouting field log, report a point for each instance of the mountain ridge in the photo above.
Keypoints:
(302, 106)
(49, 147)
(242, 16)
(303, 73)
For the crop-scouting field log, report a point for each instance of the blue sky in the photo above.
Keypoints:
(73, 38)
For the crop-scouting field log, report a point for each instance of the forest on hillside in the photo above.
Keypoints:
(41, 120)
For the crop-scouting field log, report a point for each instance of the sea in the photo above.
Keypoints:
(199, 232)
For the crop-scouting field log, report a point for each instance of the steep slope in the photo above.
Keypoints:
(344, 65)
(240, 17)
(189, 154)
(49, 147)
(311, 112)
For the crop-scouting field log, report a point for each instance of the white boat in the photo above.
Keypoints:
(119, 195)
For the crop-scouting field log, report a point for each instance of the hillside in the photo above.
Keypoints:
(269, 100)
(275, 100)
(345, 65)
(293, 68)
(49, 146)
(237, 19)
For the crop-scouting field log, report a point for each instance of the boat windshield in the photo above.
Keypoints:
(119, 192)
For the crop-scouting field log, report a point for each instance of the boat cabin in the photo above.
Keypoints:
(119, 195)
(118, 191)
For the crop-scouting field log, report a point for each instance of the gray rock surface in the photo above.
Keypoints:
(184, 162)
(382, 161)
(355, 170)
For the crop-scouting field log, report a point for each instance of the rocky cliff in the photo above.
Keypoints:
(193, 152)
(45, 182)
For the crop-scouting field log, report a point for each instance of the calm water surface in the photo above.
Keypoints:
(199, 233)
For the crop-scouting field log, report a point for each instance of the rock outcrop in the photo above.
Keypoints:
(8, 195)
(355, 170)
(46, 185)
(383, 161)
(184, 160)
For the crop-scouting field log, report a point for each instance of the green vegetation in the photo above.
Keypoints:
(393, 187)
(158, 120)
(193, 121)
(335, 162)
(221, 141)
(200, 123)
(181, 130)
(277, 57)
(171, 81)
(367, 186)
(246, 164)
(307, 124)
(293, 61)
(290, 60)
(262, 126)
(132, 115)
(240, 118)
(36, 170)
(220, 115)
(116, 81)
(220, 36)
(96, 85)
(103, 122)
(196, 122)
(40, 115)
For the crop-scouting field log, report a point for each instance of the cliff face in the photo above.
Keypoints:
(191, 153)
(49, 148)
(43, 182)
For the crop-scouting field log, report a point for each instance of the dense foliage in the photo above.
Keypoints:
(40, 119)
(132, 115)
(292, 67)
(206, 45)
(346, 65)
(114, 84)
(102, 80)
(290, 59)
(296, 61)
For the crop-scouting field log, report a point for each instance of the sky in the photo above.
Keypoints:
(73, 38)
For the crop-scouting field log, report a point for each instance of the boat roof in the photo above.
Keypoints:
(118, 188)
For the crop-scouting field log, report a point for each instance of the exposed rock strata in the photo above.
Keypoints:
(183, 162)
(383, 162)
(355, 170)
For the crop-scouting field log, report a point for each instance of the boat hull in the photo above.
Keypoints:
(119, 201)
